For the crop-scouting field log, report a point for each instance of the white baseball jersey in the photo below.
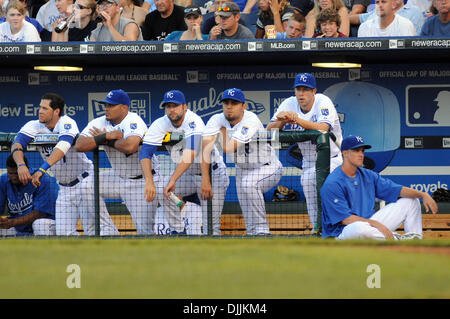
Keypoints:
(48, 14)
(252, 155)
(73, 164)
(192, 125)
(322, 111)
(125, 165)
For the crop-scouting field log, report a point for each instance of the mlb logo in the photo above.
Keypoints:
(244, 130)
(428, 105)
(133, 126)
(192, 125)
(67, 126)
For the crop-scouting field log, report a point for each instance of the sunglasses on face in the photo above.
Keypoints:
(224, 9)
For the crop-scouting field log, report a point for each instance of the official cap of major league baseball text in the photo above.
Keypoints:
(117, 97)
(227, 9)
(305, 79)
(352, 142)
(233, 94)
(174, 96)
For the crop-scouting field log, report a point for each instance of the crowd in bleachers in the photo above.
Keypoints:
(175, 20)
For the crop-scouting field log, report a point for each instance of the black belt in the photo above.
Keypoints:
(75, 181)
(140, 176)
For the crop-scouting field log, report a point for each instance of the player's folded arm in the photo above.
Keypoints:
(128, 145)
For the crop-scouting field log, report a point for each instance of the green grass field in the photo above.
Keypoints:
(199, 268)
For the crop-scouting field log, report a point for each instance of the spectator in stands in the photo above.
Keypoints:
(274, 13)
(229, 27)
(46, 16)
(133, 11)
(338, 6)
(33, 21)
(114, 27)
(193, 19)
(31, 209)
(247, 6)
(407, 11)
(211, 19)
(149, 5)
(387, 23)
(160, 23)
(423, 5)
(356, 7)
(438, 25)
(328, 21)
(302, 6)
(81, 25)
(295, 27)
(16, 29)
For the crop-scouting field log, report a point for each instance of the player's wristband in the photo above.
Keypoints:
(111, 142)
(16, 149)
(44, 167)
(19, 165)
(100, 139)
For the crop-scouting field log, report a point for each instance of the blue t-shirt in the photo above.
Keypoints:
(23, 199)
(176, 35)
(433, 27)
(343, 196)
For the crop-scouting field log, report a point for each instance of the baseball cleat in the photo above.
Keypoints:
(407, 236)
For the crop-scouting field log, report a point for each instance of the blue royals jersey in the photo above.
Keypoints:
(343, 196)
(23, 199)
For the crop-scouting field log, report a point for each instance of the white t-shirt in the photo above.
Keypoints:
(192, 125)
(48, 14)
(252, 155)
(28, 33)
(322, 111)
(399, 27)
(74, 163)
(124, 165)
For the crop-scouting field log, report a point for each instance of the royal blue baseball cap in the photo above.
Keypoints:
(117, 97)
(305, 79)
(233, 94)
(174, 96)
(352, 142)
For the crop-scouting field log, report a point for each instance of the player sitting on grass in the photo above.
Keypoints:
(348, 197)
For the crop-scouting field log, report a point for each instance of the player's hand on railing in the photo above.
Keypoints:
(36, 179)
(149, 191)
(24, 174)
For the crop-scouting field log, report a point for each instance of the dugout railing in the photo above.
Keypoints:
(285, 217)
